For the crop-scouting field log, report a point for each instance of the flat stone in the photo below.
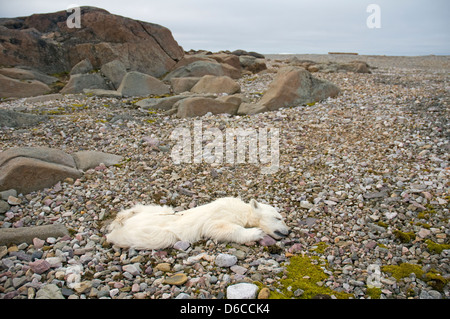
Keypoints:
(103, 93)
(163, 267)
(90, 159)
(177, 279)
(181, 245)
(27, 234)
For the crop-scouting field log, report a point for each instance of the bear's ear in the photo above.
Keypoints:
(254, 204)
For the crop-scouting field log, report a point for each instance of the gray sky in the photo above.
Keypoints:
(408, 27)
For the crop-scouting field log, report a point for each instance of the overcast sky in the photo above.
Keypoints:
(408, 27)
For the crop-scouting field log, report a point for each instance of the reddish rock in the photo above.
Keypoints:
(44, 42)
(39, 266)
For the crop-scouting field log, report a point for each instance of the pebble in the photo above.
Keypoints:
(12, 200)
(267, 241)
(39, 266)
(225, 260)
(264, 293)
(49, 291)
(242, 291)
(181, 245)
(177, 279)
(165, 267)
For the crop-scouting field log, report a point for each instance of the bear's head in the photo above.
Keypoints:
(269, 220)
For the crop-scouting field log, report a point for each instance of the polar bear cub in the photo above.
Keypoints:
(226, 219)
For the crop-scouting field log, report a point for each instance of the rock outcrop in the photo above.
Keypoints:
(45, 42)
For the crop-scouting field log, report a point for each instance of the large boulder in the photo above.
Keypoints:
(28, 169)
(180, 85)
(9, 118)
(252, 64)
(10, 87)
(28, 74)
(82, 67)
(114, 71)
(44, 41)
(199, 106)
(216, 84)
(295, 86)
(32, 168)
(140, 84)
(78, 82)
(196, 69)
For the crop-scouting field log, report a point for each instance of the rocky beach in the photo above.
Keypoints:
(362, 181)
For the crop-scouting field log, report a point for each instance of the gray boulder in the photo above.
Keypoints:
(78, 82)
(82, 67)
(15, 119)
(196, 69)
(114, 71)
(140, 84)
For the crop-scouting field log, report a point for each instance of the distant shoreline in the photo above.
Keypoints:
(437, 62)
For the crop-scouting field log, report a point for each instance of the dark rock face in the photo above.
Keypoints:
(45, 42)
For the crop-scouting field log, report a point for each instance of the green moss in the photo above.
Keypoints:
(424, 225)
(311, 104)
(404, 237)
(436, 248)
(382, 224)
(303, 274)
(374, 293)
(403, 270)
(319, 247)
(435, 280)
(427, 213)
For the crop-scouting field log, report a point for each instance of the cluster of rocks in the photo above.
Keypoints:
(331, 67)
(164, 70)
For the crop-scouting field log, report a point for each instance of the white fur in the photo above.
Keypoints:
(226, 219)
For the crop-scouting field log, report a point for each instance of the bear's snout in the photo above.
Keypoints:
(282, 233)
